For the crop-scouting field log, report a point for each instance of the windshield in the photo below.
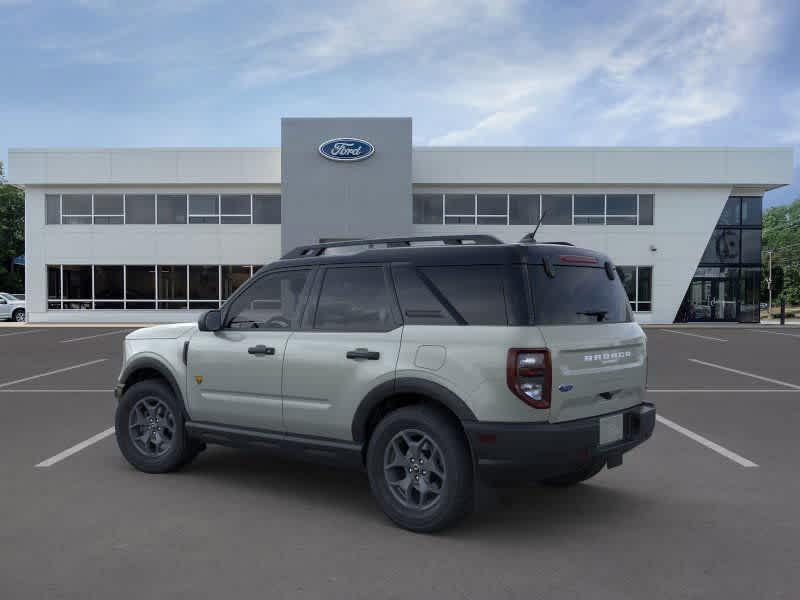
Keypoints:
(577, 295)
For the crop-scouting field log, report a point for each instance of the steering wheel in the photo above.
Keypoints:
(278, 322)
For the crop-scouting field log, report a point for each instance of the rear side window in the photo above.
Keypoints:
(418, 303)
(475, 292)
(577, 295)
(354, 299)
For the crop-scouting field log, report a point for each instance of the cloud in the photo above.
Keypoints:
(496, 122)
(680, 65)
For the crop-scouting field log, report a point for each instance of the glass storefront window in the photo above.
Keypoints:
(749, 295)
(723, 247)
(751, 211)
(730, 214)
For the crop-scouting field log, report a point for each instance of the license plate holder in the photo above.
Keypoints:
(612, 429)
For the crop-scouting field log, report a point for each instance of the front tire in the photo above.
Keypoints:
(420, 470)
(18, 315)
(150, 428)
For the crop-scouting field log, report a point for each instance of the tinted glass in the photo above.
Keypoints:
(723, 247)
(645, 284)
(53, 208)
(589, 204)
(76, 204)
(751, 246)
(730, 214)
(627, 276)
(459, 204)
(172, 282)
(232, 277)
(77, 282)
(108, 204)
(171, 209)
(417, 303)
(140, 209)
(646, 209)
(428, 208)
(620, 204)
(557, 209)
(203, 204)
(577, 295)
(203, 282)
(492, 204)
(266, 208)
(749, 295)
(475, 292)
(108, 282)
(523, 209)
(751, 211)
(140, 283)
(459, 220)
(354, 299)
(53, 281)
(271, 302)
(236, 204)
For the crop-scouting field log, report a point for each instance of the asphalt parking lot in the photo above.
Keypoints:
(708, 508)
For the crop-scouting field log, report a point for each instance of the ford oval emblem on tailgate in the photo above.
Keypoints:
(565, 387)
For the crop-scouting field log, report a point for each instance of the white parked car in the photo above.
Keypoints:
(12, 308)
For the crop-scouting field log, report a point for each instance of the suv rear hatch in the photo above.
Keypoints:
(597, 351)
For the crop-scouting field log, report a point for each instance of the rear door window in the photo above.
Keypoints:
(578, 295)
(354, 299)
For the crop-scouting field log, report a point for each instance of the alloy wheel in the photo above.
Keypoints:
(414, 469)
(152, 426)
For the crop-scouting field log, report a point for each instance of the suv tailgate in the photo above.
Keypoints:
(597, 369)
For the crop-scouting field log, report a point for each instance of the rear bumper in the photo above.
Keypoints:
(508, 452)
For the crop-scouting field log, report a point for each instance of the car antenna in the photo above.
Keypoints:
(531, 237)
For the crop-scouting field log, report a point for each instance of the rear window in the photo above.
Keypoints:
(578, 295)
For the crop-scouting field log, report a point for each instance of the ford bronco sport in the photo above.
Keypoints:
(431, 363)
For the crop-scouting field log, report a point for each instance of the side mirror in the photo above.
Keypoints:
(210, 320)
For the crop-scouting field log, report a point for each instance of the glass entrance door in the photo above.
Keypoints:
(711, 300)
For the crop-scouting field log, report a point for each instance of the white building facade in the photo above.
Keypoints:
(152, 235)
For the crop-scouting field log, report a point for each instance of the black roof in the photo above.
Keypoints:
(440, 250)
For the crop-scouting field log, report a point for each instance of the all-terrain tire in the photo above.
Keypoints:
(159, 442)
(434, 438)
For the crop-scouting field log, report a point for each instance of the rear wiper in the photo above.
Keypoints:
(600, 314)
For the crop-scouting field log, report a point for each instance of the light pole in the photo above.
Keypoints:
(769, 285)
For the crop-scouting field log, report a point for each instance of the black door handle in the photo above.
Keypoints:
(363, 353)
(261, 349)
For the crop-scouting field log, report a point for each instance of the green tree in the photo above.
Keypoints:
(781, 235)
(12, 235)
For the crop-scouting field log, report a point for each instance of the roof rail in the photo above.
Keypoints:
(558, 243)
(393, 242)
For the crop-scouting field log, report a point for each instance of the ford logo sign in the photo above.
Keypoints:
(344, 149)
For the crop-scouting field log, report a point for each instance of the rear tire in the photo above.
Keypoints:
(18, 315)
(420, 470)
(575, 477)
(150, 428)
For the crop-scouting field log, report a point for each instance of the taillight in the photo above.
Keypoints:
(528, 373)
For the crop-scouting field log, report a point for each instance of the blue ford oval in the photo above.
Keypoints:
(346, 149)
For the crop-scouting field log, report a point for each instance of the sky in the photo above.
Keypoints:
(108, 73)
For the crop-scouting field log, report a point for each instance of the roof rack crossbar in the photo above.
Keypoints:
(392, 242)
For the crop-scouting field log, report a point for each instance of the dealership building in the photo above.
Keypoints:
(160, 234)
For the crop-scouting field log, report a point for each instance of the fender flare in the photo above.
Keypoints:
(407, 385)
(148, 362)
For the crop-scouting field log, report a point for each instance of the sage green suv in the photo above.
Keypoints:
(431, 363)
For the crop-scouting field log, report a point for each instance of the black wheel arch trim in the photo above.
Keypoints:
(147, 362)
(406, 385)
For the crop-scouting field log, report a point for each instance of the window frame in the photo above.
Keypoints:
(636, 301)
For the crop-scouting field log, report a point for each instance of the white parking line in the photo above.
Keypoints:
(774, 332)
(84, 391)
(24, 379)
(740, 460)
(27, 331)
(697, 335)
(746, 374)
(720, 391)
(76, 448)
(91, 337)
